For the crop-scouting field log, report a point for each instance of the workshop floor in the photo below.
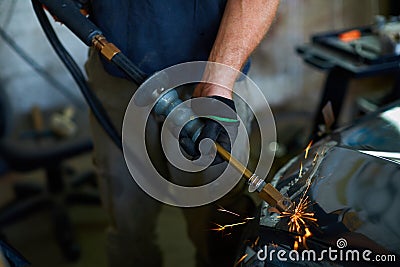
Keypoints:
(34, 238)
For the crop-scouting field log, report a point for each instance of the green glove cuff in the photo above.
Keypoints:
(222, 119)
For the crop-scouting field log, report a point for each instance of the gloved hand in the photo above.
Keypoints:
(218, 122)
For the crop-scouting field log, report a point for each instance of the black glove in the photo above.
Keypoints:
(218, 121)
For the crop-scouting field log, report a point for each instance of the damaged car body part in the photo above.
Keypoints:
(352, 182)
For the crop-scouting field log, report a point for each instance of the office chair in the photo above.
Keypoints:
(25, 149)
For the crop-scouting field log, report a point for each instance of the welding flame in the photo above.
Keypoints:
(300, 219)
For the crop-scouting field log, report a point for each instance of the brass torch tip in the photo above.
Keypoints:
(285, 204)
(275, 198)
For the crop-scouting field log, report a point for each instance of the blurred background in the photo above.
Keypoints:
(38, 98)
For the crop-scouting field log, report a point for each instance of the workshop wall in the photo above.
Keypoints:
(23, 86)
(278, 71)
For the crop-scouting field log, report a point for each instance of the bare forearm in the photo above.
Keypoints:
(243, 26)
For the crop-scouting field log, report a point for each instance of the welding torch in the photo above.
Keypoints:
(68, 12)
(168, 100)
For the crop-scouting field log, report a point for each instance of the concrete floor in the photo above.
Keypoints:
(33, 237)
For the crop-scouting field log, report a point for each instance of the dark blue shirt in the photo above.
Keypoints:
(156, 34)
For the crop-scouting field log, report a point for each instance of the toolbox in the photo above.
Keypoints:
(360, 50)
(353, 53)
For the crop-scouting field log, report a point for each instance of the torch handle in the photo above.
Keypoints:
(233, 161)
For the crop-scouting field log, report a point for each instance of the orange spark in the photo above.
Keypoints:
(299, 217)
(240, 260)
(303, 239)
(296, 245)
(227, 211)
(315, 158)
(301, 170)
(226, 226)
(255, 243)
(308, 148)
(223, 227)
(308, 232)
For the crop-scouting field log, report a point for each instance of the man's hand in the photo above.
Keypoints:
(220, 125)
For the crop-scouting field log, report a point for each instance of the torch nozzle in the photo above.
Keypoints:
(265, 190)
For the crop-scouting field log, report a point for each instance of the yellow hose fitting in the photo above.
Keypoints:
(108, 50)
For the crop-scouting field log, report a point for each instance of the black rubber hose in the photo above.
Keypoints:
(69, 14)
(92, 100)
(133, 73)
